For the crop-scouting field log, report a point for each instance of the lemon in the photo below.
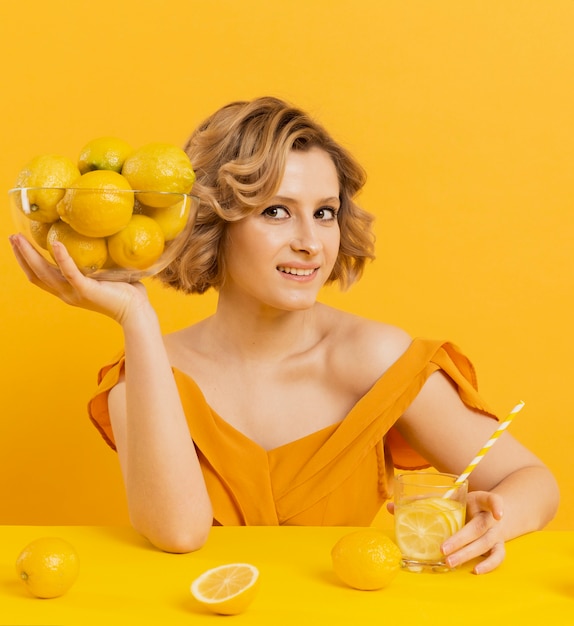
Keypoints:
(366, 559)
(159, 167)
(172, 219)
(421, 526)
(100, 204)
(47, 170)
(88, 253)
(39, 232)
(227, 589)
(139, 245)
(48, 566)
(104, 153)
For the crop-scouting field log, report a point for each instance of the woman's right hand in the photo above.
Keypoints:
(114, 299)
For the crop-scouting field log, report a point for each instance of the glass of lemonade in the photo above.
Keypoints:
(429, 508)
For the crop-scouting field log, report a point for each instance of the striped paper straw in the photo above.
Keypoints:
(478, 458)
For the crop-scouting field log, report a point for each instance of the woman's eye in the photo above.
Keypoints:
(276, 212)
(326, 213)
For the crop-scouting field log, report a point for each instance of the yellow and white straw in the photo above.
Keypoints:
(478, 458)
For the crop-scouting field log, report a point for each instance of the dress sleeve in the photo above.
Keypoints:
(434, 356)
(108, 377)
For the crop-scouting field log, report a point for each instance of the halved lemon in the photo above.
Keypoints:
(227, 589)
(422, 526)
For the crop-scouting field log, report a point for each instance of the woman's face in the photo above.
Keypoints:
(282, 254)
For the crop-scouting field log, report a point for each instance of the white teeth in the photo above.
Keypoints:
(295, 271)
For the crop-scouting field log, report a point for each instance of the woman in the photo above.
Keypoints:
(278, 409)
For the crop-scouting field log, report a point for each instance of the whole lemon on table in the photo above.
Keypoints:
(88, 253)
(100, 203)
(139, 245)
(104, 153)
(47, 170)
(366, 559)
(159, 167)
(48, 566)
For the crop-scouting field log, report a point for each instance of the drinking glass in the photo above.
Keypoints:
(429, 508)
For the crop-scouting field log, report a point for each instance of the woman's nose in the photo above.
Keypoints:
(307, 242)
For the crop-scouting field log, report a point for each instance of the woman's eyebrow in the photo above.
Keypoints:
(287, 199)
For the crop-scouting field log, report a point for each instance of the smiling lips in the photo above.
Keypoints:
(297, 271)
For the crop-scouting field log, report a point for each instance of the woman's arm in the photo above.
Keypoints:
(166, 493)
(512, 491)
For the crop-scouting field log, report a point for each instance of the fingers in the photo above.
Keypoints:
(481, 536)
(68, 268)
(64, 281)
(474, 540)
(485, 501)
(38, 271)
(492, 561)
(14, 242)
(65, 262)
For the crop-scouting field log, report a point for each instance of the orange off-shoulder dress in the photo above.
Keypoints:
(338, 476)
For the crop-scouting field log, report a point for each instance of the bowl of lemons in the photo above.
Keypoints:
(123, 214)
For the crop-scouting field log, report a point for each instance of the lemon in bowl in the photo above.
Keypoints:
(123, 214)
(109, 233)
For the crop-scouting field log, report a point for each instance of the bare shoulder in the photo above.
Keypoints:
(370, 346)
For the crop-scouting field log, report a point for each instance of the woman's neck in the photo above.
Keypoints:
(253, 331)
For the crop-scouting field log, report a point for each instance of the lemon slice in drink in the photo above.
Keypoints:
(227, 589)
(421, 528)
(452, 510)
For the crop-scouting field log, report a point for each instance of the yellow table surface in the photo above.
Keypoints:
(124, 581)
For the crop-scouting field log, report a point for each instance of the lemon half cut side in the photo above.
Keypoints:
(227, 589)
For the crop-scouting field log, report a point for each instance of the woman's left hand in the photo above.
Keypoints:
(481, 536)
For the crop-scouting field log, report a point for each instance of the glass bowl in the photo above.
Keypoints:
(122, 255)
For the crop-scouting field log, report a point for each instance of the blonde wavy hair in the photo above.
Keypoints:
(239, 156)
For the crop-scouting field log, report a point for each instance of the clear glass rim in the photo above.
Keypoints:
(94, 190)
(434, 479)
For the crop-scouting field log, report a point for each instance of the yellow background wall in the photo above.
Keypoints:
(462, 114)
